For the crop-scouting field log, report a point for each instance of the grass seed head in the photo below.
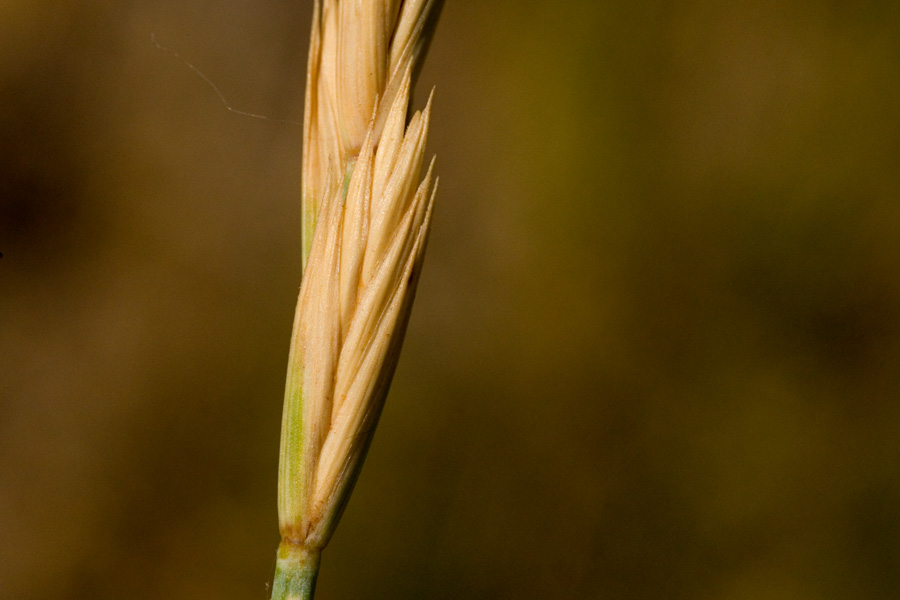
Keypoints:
(366, 215)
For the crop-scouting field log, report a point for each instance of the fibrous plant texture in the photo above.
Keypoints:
(366, 216)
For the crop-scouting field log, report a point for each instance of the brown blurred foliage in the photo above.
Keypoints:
(656, 346)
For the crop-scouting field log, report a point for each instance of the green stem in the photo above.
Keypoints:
(295, 573)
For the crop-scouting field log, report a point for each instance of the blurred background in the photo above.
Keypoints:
(656, 346)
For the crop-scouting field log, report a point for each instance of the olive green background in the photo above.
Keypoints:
(655, 351)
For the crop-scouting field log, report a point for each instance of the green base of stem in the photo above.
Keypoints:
(296, 570)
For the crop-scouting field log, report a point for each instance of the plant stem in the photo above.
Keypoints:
(295, 572)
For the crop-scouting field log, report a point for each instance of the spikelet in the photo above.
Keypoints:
(366, 216)
(359, 53)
